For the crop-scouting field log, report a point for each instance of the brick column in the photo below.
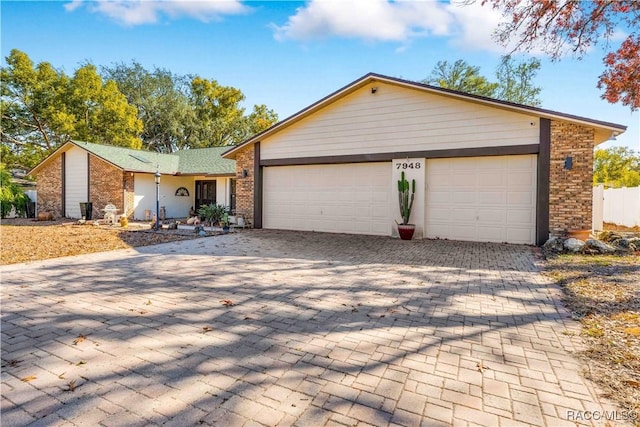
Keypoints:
(49, 187)
(570, 190)
(245, 184)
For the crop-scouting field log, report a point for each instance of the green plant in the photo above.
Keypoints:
(11, 195)
(212, 213)
(406, 202)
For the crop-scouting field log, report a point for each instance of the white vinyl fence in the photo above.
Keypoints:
(619, 206)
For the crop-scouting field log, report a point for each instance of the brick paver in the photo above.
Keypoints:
(318, 329)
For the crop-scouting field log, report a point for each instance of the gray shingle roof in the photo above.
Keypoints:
(200, 161)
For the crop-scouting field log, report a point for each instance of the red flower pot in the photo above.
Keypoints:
(406, 231)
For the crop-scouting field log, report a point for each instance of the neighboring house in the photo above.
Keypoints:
(486, 170)
(80, 172)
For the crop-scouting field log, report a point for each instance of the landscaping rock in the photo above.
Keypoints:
(554, 244)
(634, 243)
(609, 236)
(573, 245)
(593, 245)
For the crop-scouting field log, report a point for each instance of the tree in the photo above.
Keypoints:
(219, 117)
(162, 100)
(616, 167)
(42, 108)
(181, 112)
(560, 27)
(514, 81)
(11, 195)
(462, 77)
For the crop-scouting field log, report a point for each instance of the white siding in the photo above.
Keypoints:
(345, 198)
(175, 206)
(485, 199)
(75, 181)
(397, 119)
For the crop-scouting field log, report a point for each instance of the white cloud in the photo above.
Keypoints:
(375, 20)
(474, 26)
(465, 24)
(138, 12)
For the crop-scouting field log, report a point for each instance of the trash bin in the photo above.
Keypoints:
(86, 209)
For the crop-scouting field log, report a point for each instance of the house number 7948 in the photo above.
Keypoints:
(408, 165)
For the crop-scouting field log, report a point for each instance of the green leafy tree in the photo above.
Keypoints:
(462, 77)
(514, 81)
(162, 100)
(616, 167)
(220, 120)
(11, 195)
(181, 112)
(42, 108)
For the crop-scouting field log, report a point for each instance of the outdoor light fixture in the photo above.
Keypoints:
(374, 90)
(245, 173)
(157, 176)
(613, 136)
(568, 163)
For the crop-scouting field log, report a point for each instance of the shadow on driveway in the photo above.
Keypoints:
(286, 328)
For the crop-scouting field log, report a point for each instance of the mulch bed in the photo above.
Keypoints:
(603, 293)
(28, 240)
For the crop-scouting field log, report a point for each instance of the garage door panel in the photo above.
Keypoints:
(520, 217)
(345, 198)
(519, 198)
(461, 197)
(492, 234)
(491, 216)
(490, 198)
(482, 199)
(493, 179)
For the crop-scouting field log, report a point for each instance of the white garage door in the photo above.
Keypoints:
(346, 198)
(483, 199)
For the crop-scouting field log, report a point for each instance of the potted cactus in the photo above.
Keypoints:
(405, 199)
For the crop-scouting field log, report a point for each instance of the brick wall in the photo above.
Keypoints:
(570, 191)
(49, 187)
(128, 184)
(106, 186)
(244, 185)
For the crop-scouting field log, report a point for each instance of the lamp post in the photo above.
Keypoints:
(157, 176)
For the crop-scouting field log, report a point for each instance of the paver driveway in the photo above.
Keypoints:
(322, 330)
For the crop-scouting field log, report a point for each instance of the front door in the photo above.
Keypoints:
(205, 193)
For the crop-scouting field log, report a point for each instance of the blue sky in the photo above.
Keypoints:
(288, 55)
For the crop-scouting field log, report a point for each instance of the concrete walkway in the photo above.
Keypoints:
(283, 328)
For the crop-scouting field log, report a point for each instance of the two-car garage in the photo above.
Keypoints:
(471, 198)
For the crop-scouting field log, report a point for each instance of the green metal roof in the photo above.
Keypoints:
(200, 161)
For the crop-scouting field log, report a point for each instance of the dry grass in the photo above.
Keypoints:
(603, 293)
(27, 240)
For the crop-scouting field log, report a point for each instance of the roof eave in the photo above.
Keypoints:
(372, 77)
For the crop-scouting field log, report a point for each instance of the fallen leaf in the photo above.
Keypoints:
(82, 362)
(633, 331)
(227, 302)
(61, 376)
(13, 363)
(206, 329)
(29, 378)
(79, 339)
(481, 366)
(148, 302)
(71, 385)
(632, 383)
